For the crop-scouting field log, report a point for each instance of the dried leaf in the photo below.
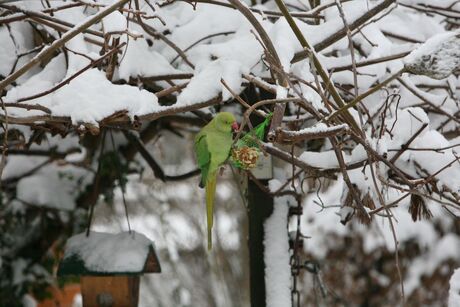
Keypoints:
(418, 208)
(368, 201)
(362, 217)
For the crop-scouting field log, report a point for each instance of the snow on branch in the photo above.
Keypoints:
(318, 131)
(122, 117)
(437, 58)
(46, 52)
(341, 31)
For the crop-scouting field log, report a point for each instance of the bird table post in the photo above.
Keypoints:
(109, 266)
(260, 206)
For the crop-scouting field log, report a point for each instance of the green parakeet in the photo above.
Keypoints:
(212, 148)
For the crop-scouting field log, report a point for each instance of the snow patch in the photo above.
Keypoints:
(104, 252)
(437, 58)
(152, 63)
(87, 99)
(446, 248)
(206, 84)
(454, 290)
(64, 182)
(276, 255)
(114, 22)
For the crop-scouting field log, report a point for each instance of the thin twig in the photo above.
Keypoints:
(5, 143)
(335, 37)
(329, 84)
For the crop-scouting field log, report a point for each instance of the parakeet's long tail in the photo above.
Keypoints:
(210, 192)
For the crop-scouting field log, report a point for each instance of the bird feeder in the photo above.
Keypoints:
(109, 266)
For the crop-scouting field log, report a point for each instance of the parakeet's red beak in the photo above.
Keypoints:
(235, 126)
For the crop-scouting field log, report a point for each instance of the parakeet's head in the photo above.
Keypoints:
(225, 122)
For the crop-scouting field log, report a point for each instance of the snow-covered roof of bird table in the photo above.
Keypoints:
(103, 254)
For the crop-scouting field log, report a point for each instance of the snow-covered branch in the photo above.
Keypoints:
(47, 51)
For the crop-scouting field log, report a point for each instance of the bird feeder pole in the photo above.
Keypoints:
(260, 207)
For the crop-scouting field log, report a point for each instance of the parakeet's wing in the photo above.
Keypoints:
(203, 157)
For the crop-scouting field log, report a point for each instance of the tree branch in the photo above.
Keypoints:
(47, 51)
